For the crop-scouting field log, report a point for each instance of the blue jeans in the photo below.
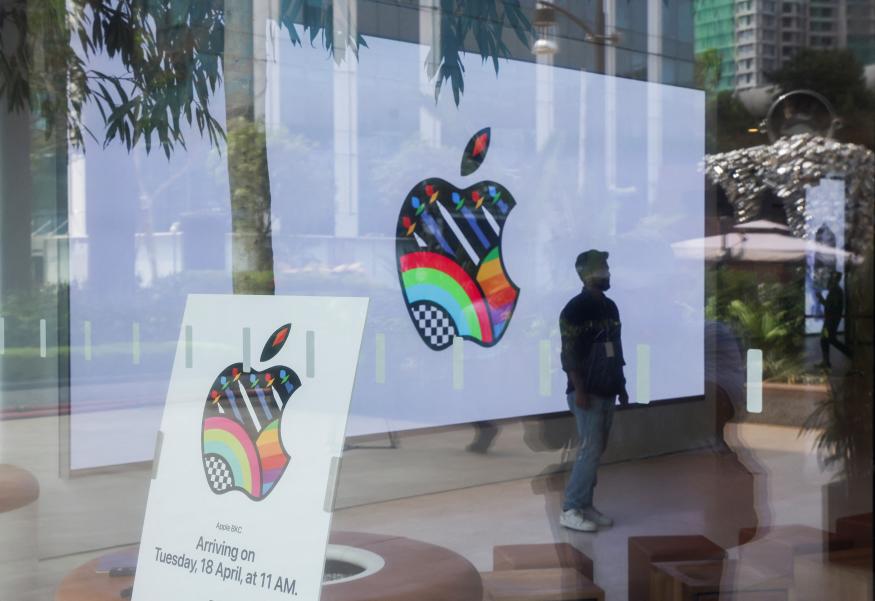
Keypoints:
(593, 426)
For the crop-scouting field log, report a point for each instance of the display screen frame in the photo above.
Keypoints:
(67, 428)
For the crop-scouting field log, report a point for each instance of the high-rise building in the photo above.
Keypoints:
(861, 29)
(768, 33)
(757, 40)
(714, 22)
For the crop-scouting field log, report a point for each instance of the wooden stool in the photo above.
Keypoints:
(647, 550)
(548, 555)
(704, 580)
(776, 547)
(856, 528)
(550, 584)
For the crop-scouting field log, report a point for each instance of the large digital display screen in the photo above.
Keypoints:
(369, 199)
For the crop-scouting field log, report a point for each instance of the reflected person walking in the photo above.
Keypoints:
(833, 308)
(592, 357)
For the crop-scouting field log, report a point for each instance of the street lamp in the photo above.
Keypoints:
(545, 31)
(546, 42)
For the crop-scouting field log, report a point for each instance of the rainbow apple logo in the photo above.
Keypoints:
(241, 444)
(449, 256)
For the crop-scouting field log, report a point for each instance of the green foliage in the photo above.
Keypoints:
(482, 21)
(844, 421)
(171, 55)
(838, 75)
(731, 123)
(765, 316)
(708, 69)
(169, 51)
(765, 325)
(23, 310)
(844, 425)
(166, 60)
(34, 55)
(318, 19)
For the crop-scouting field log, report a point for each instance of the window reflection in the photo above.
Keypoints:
(447, 161)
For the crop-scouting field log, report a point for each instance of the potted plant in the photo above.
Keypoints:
(843, 421)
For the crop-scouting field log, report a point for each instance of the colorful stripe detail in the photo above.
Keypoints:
(273, 458)
(227, 439)
(431, 277)
(500, 294)
(472, 221)
(432, 227)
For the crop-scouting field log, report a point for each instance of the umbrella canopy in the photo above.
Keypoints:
(761, 240)
(762, 225)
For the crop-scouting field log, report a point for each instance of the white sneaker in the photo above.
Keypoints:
(594, 515)
(572, 519)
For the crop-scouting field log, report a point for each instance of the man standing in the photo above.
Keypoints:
(592, 356)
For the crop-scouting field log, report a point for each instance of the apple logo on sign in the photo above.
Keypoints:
(448, 247)
(241, 444)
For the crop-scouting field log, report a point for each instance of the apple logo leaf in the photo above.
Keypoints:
(275, 342)
(475, 151)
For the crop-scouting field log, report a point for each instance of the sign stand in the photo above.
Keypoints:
(249, 450)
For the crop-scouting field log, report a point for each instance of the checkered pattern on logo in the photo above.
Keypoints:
(218, 473)
(434, 325)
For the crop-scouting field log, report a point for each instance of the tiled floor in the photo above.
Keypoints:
(773, 479)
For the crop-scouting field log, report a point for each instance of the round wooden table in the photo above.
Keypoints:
(414, 571)
(18, 488)
(19, 491)
(85, 584)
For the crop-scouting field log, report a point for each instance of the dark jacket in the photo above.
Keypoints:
(587, 321)
(833, 304)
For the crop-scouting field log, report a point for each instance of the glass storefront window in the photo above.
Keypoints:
(492, 299)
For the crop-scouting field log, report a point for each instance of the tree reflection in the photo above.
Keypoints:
(169, 61)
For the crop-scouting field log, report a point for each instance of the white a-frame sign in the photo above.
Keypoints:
(251, 436)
